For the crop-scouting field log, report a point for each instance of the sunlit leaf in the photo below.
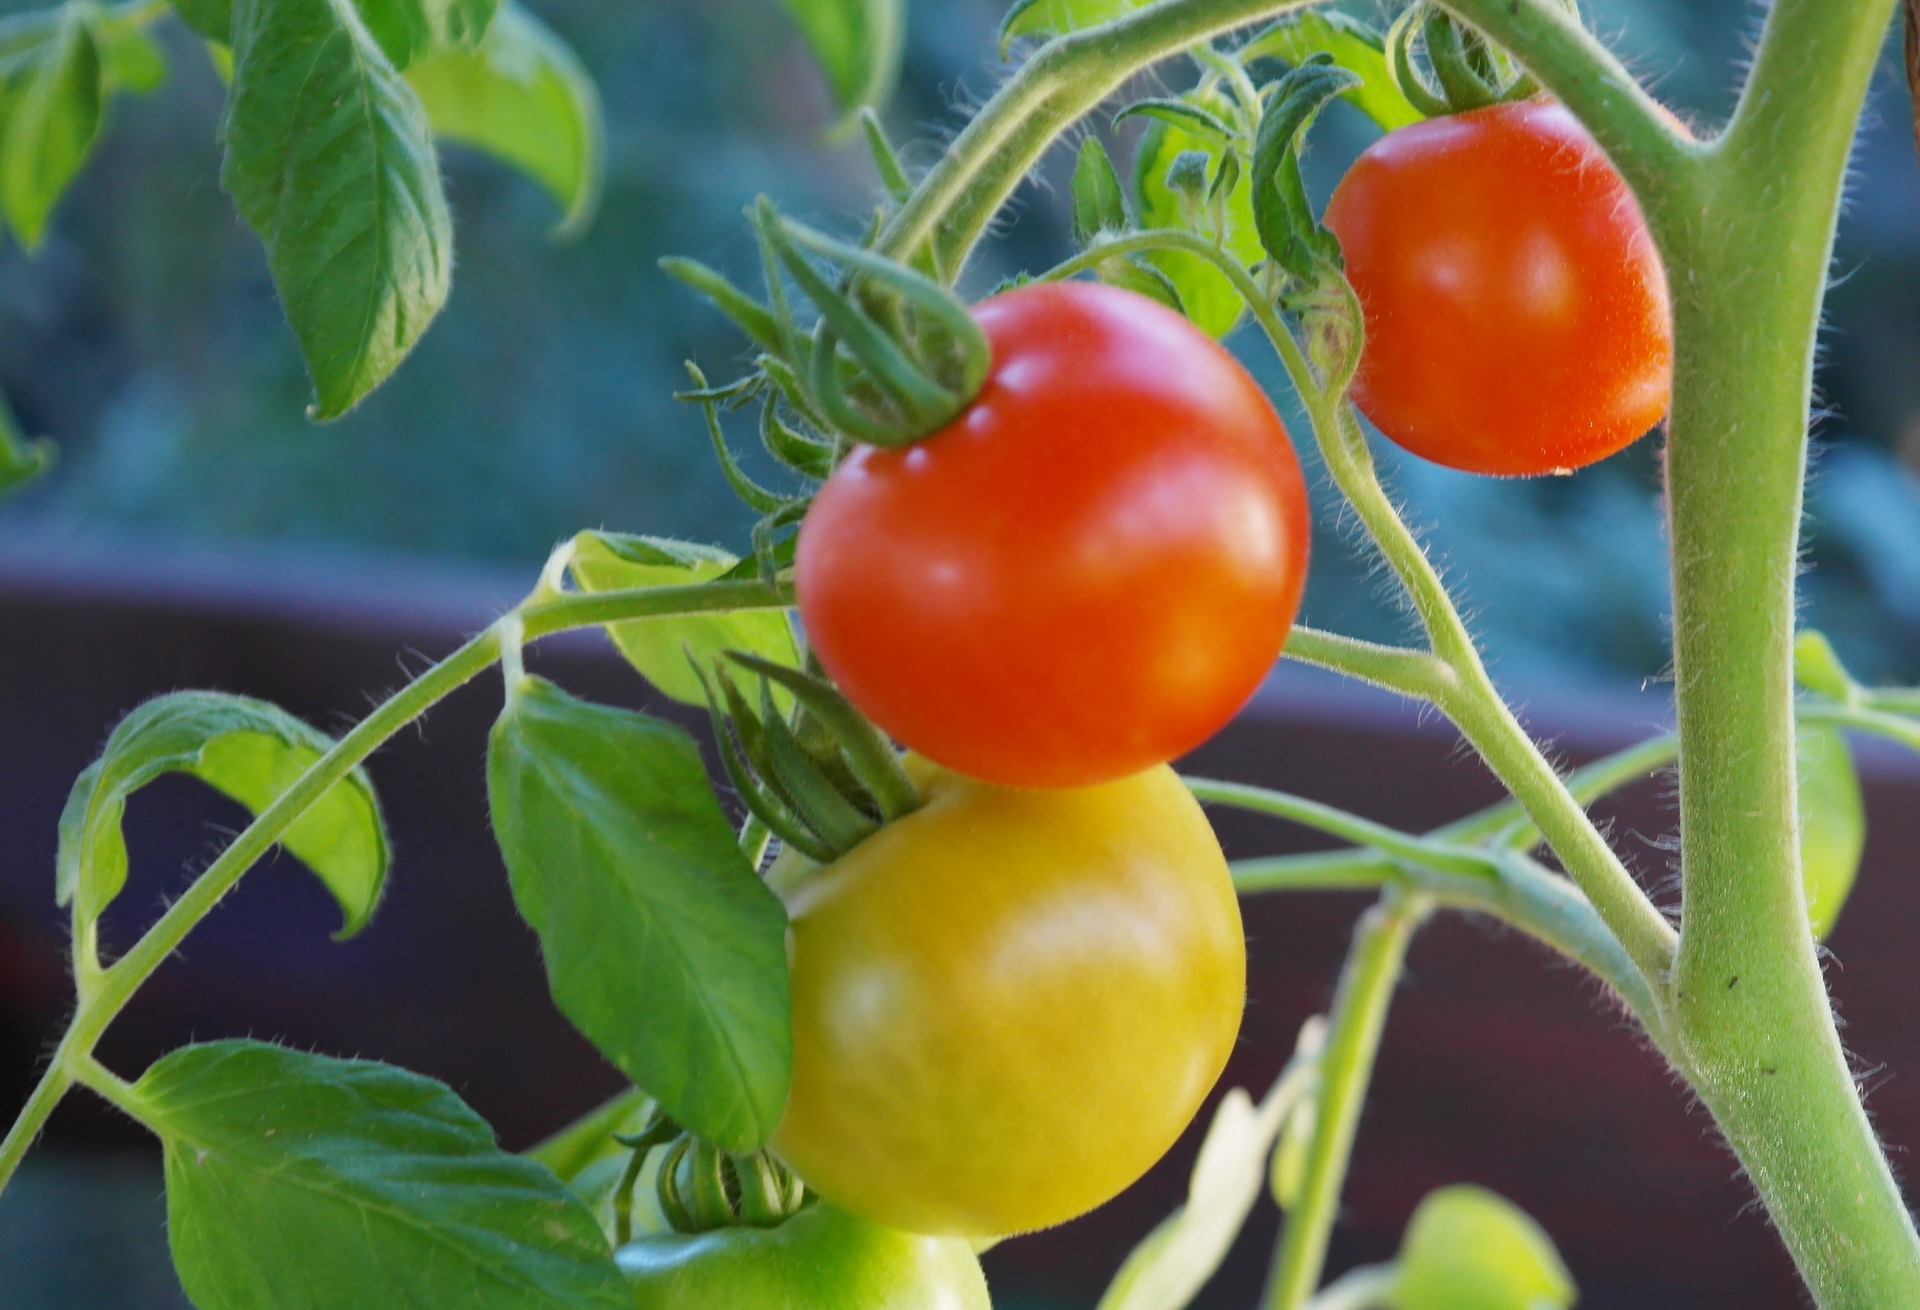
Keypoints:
(665, 649)
(1469, 1249)
(246, 749)
(1055, 17)
(21, 459)
(858, 43)
(662, 944)
(51, 110)
(1833, 824)
(1354, 46)
(300, 1182)
(524, 97)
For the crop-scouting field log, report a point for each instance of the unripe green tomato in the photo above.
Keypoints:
(1467, 1248)
(820, 1259)
(1833, 825)
(1008, 1004)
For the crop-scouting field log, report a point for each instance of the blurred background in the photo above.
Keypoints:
(146, 339)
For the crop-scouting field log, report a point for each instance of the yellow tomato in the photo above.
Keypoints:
(1008, 1004)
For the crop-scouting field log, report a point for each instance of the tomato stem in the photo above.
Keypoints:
(115, 986)
(1353, 1040)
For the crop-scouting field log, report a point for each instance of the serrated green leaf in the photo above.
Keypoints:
(21, 459)
(1098, 203)
(1354, 46)
(1467, 1248)
(1833, 824)
(52, 101)
(331, 162)
(661, 943)
(859, 44)
(1058, 17)
(524, 97)
(660, 648)
(247, 750)
(301, 1182)
(1208, 297)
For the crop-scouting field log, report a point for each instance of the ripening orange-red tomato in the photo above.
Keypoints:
(1516, 309)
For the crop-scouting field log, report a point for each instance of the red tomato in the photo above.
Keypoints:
(1517, 316)
(1083, 575)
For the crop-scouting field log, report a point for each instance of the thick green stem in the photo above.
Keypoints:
(1353, 1040)
(1750, 1005)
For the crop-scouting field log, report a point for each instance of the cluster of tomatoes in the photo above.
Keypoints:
(1008, 1004)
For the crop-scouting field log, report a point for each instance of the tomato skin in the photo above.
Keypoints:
(1008, 1004)
(1085, 574)
(820, 1259)
(1516, 308)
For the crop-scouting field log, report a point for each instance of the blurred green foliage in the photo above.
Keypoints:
(145, 336)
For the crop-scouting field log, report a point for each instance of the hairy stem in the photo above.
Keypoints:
(113, 987)
(1059, 85)
(1353, 1040)
(1751, 1006)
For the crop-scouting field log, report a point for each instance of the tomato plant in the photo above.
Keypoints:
(1009, 1003)
(820, 1259)
(1053, 540)
(1516, 309)
(1087, 572)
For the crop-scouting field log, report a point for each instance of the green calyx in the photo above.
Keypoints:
(891, 357)
(703, 1188)
(822, 779)
(1467, 71)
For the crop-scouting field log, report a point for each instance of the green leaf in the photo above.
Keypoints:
(130, 59)
(21, 459)
(51, 116)
(1288, 229)
(1469, 1249)
(1141, 276)
(1208, 297)
(1354, 46)
(247, 750)
(661, 943)
(661, 649)
(301, 1182)
(1194, 120)
(858, 43)
(331, 162)
(1098, 203)
(412, 29)
(212, 19)
(1817, 667)
(1057, 17)
(1833, 824)
(524, 97)
(1179, 1257)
